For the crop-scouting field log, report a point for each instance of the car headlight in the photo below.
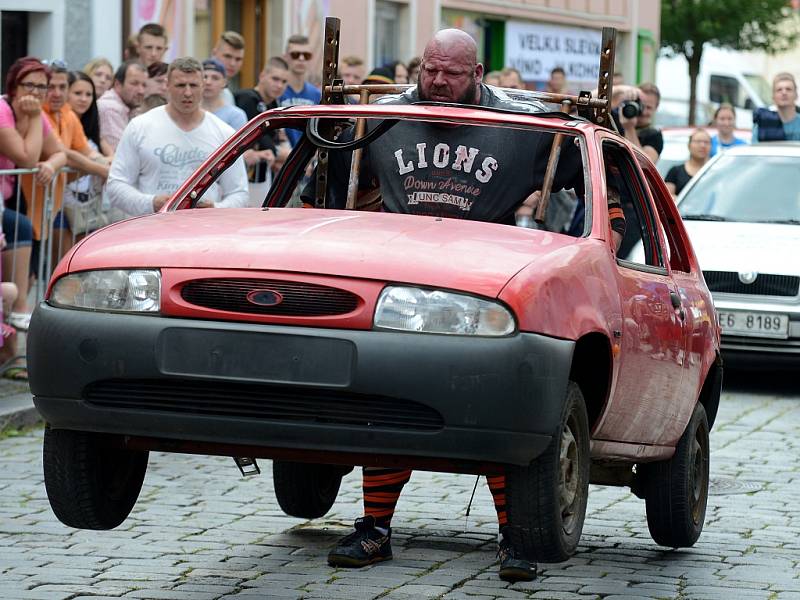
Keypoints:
(434, 311)
(125, 291)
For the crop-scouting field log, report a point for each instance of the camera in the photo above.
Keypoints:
(631, 109)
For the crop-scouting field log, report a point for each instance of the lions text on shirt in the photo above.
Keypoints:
(479, 173)
(155, 156)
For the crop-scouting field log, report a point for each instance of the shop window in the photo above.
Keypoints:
(391, 32)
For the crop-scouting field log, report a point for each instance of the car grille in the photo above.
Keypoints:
(764, 285)
(298, 299)
(258, 401)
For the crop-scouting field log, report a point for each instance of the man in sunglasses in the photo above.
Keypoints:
(299, 91)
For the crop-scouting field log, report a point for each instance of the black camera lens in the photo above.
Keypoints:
(631, 109)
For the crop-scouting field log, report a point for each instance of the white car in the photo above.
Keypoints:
(742, 213)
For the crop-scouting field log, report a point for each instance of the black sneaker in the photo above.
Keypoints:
(366, 545)
(514, 566)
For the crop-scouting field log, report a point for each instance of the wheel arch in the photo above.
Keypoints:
(592, 369)
(711, 390)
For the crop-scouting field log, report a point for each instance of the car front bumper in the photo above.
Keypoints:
(456, 398)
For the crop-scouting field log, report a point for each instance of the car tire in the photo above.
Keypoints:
(547, 501)
(306, 490)
(676, 490)
(90, 485)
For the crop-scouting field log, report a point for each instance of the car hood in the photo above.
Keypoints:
(741, 247)
(446, 253)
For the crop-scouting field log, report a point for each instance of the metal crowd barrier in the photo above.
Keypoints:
(58, 229)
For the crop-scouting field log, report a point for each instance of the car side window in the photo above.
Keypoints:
(641, 242)
(677, 254)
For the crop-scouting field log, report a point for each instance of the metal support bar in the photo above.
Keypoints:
(549, 174)
(330, 63)
(605, 79)
(399, 88)
(355, 166)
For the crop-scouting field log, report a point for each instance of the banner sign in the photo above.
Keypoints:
(534, 49)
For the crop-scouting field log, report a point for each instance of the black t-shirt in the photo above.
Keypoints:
(478, 173)
(678, 176)
(650, 136)
(251, 102)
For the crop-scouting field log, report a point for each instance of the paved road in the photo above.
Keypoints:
(201, 532)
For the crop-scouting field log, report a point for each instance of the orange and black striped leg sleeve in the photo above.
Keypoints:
(497, 485)
(382, 489)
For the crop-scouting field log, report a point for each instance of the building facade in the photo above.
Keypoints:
(531, 35)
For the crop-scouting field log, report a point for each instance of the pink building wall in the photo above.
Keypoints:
(357, 34)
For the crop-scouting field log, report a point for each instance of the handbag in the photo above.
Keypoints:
(87, 211)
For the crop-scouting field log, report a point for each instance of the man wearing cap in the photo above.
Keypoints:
(214, 102)
(162, 147)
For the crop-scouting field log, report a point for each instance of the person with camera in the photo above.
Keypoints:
(633, 109)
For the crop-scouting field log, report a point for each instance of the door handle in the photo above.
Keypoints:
(675, 298)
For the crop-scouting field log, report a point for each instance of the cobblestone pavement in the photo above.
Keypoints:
(201, 532)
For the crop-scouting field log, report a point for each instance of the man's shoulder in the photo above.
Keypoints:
(109, 97)
(248, 94)
(308, 91)
(215, 126)
(407, 97)
(147, 121)
(70, 116)
(649, 134)
(312, 90)
(494, 97)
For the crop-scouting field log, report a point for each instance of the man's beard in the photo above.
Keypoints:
(468, 97)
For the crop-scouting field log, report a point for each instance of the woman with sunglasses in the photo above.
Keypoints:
(26, 141)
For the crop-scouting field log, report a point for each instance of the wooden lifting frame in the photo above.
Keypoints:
(595, 109)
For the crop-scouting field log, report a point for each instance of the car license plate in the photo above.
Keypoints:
(737, 322)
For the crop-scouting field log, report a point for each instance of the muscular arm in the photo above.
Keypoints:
(83, 161)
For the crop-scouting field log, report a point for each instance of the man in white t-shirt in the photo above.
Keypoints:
(160, 149)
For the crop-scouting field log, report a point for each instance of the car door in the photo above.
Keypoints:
(652, 338)
(699, 318)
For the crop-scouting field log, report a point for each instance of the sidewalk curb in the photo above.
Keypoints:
(17, 412)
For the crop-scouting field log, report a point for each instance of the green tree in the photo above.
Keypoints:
(686, 25)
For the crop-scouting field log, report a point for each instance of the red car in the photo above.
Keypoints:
(324, 339)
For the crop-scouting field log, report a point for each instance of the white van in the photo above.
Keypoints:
(725, 76)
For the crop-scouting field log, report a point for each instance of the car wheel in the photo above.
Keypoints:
(306, 490)
(676, 490)
(89, 484)
(547, 500)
